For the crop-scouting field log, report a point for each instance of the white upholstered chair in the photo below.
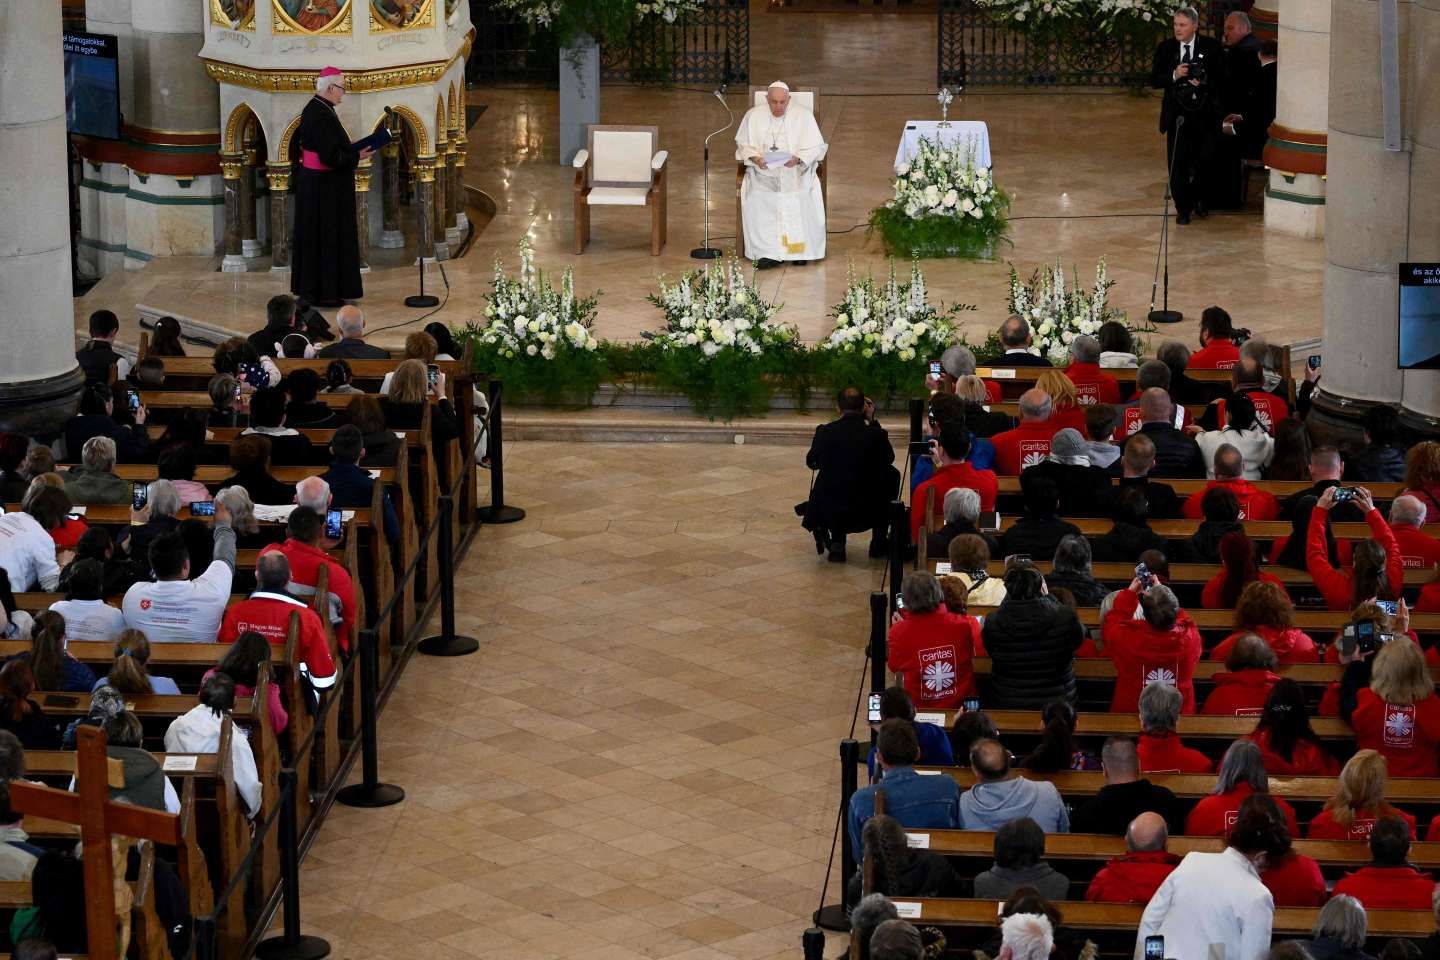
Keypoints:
(621, 168)
(809, 98)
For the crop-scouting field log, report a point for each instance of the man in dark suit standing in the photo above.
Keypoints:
(855, 478)
(1191, 70)
(1250, 123)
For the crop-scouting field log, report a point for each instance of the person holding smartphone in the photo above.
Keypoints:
(895, 704)
(1377, 568)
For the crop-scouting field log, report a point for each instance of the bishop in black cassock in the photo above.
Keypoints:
(325, 251)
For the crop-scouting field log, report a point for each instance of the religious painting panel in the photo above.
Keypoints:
(401, 14)
(234, 14)
(311, 16)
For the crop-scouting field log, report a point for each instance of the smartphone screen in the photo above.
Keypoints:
(134, 402)
(332, 524)
(1365, 636)
(873, 716)
(432, 375)
(935, 368)
(899, 602)
(139, 494)
(1391, 607)
(1154, 948)
(1179, 416)
(970, 704)
(202, 508)
(1313, 361)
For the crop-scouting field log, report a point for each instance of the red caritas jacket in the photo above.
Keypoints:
(1407, 734)
(1269, 409)
(1308, 759)
(1220, 353)
(268, 614)
(1337, 585)
(1416, 548)
(1216, 814)
(935, 652)
(1295, 881)
(1024, 446)
(1291, 645)
(1211, 596)
(1091, 385)
(1325, 827)
(305, 563)
(1133, 878)
(948, 477)
(1429, 599)
(1255, 504)
(1164, 753)
(1388, 888)
(1240, 694)
(1144, 655)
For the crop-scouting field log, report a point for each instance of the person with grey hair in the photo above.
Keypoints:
(1029, 442)
(1082, 485)
(237, 503)
(1340, 931)
(1242, 772)
(896, 940)
(1016, 339)
(1091, 385)
(962, 514)
(1071, 571)
(1135, 875)
(1190, 68)
(868, 914)
(1184, 388)
(1026, 936)
(352, 345)
(931, 649)
(1159, 747)
(1229, 473)
(1407, 518)
(267, 612)
(94, 480)
(158, 518)
(313, 492)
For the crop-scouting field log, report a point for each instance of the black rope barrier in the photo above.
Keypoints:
(292, 945)
(446, 643)
(836, 916)
(497, 511)
(369, 792)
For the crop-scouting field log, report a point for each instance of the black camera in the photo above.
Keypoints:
(1196, 95)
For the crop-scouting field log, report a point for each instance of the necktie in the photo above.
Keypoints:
(1186, 57)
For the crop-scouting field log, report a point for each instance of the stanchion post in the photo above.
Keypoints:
(446, 643)
(813, 941)
(879, 647)
(917, 419)
(836, 916)
(497, 511)
(899, 543)
(369, 792)
(292, 945)
(203, 933)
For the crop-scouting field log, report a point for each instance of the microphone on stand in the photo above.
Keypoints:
(705, 251)
(1165, 314)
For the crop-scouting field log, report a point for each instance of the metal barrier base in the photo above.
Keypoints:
(443, 646)
(359, 795)
(832, 917)
(501, 514)
(304, 948)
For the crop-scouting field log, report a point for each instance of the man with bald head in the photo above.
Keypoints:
(1016, 339)
(1126, 795)
(997, 798)
(352, 345)
(1029, 443)
(1255, 504)
(1176, 455)
(1135, 876)
(267, 612)
(781, 205)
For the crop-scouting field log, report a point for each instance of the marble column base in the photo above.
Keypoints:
(1339, 419)
(391, 240)
(453, 236)
(462, 221)
(251, 248)
(365, 269)
(1295, 206)
(41, 406)
(234, 263)
(280, 269)
(442, 250)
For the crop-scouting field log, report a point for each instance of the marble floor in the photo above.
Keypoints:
(1085, 167)
(641, 760)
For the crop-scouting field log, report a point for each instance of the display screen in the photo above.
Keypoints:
(92, 85)
(1420, 315)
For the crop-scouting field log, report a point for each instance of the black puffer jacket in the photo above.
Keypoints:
(1377, 465)
(1087, 590)
(925, 874)
(1032, 646)
(1125, 542)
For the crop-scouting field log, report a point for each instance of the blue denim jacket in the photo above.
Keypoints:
(982, 457)
(918, 802)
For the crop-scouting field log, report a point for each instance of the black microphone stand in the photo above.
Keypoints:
(1166, 315)
(705, 251)
(421, 300)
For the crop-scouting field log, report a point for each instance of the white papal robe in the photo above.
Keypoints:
(784, 212)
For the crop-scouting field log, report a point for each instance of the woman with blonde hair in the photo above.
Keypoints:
(1392, 704)
(1358, 802)
(405, 405)
(128, 674)
(1422, 477)
(1064, 401)
(979, 418)
(418, 346)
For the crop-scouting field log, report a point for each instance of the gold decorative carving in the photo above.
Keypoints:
(422, 139)
(231, 165)
(279, 176)
(283, 150)
(423, 168)
(223, 14)
(362, 178)
(303, 81)
(235, 127)
(341, 22)
(425, 18)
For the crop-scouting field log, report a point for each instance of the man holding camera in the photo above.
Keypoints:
(1191, 70)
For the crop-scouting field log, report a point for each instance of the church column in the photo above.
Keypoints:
(40, 384)
(391, 238)
(1295, 152)
(461, 149)
(249, 235)
(455, 193)
(362, 213)
(231, 167)
(279, 176)
(1388, 213)
(441, 201)
(423, 169)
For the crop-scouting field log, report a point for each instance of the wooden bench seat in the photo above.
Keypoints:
(1194, 727)
(1119, 575)
(1009, 485)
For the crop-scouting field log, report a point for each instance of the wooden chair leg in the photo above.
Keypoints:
(657, 216)
(739, 226)
(582, 224)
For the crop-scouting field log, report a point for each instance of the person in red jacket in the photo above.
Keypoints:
(1389, 882)
(1392, 706)
(1429, 599)
(1244, 689)
(1418, 549)
(1293, 879)
(1238, 570)
(1160, 748)
(1066, 409)
(1265, 609)
(930, 648)
(267, 612)
(305, 550)
(951, 448)
(1255, 504)
(1288, 745)
(1377, 571)
(1029, 443)
(1242, 772)
(1217, 346)
(1092, 385)
(1359, 801)
(1163, 646)
(1135, 876)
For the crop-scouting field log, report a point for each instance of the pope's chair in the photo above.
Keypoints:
(809, 98)
(621, 168)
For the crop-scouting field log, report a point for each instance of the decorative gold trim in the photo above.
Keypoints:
(424, 168)
(422, 138)
(342, 23)
(303, 81)
(362, 178)
(219, 19)
(279, 176)
(283, 150)
(425, 18)
(230, 165)
(235, 126)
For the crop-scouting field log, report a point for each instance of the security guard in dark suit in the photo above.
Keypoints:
(1191, 70)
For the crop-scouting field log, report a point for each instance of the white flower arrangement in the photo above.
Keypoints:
(527, 315)
(1120, 14)
(717, 309)
(547, 13)
(1057, 314)
(943, 181)
(1037, 12)
(895, 319)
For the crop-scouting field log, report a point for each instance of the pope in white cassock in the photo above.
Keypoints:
(784, 213)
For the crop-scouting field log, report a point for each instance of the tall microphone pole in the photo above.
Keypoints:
(1166, 315)
(421, 300)
(705, 251)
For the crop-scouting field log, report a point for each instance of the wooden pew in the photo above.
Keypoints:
(1194, 727)
(1025, 377)
(1280, 488)
(1197, 574)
